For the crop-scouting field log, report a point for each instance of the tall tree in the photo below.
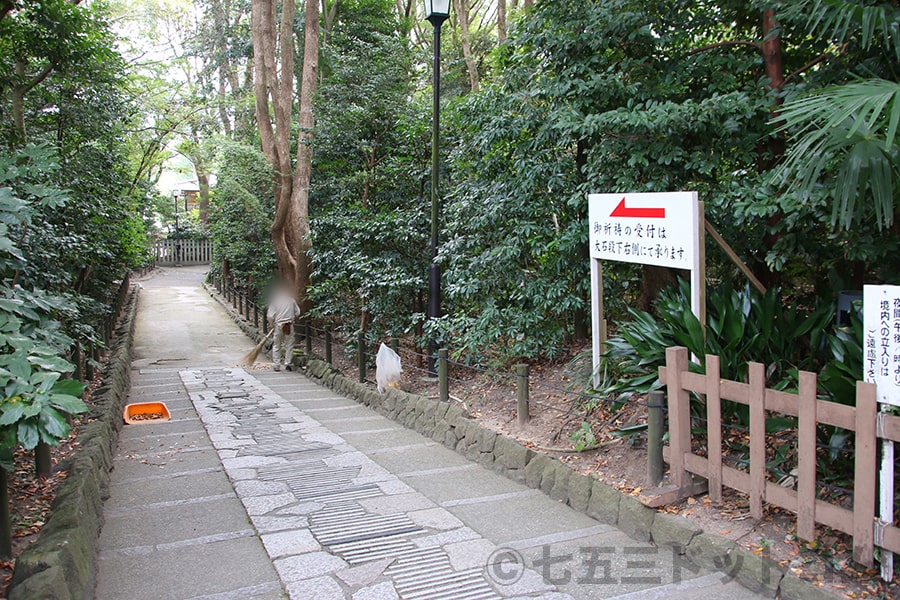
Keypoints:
(461, 9)
(40, 38)
(273, 59)
(305, 150)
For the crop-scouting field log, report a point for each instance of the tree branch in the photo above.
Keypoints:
(45, 72)
(756, 45)
(821, 58)
(6, 7)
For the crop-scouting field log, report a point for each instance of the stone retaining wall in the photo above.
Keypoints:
(61, 563)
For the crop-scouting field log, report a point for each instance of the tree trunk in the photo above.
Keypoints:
(5, 525)
(223, 106)
(329, 14)
(18, 106)
(771, 47)
(43, 462)
(653, 280)
(305, 152)
(22, 87)
(461, 7)
(771, 151)
(501, 21)
(274, 81)
(203, 184)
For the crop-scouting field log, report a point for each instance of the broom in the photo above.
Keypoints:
(251, 356)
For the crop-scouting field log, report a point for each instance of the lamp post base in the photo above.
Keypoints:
(434, 311)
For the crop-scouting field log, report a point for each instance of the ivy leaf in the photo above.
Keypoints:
(67, 403)
(51, 363)
(18, 366)
(69, 387)
(54, 424)
(11, 412)
(28, 434)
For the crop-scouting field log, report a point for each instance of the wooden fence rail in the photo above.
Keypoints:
(869, 426)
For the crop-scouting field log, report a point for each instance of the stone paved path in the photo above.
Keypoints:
(266, 485)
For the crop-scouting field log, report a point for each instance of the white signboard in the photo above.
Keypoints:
(650, 229)
(661, 229)
(881, 352)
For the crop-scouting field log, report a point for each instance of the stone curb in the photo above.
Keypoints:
(451, 426)
(61, 563)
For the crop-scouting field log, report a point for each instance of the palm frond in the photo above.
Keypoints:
(850, 130)
(841, 19)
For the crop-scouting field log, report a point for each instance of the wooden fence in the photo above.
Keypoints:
(183, 252)
(868, 424)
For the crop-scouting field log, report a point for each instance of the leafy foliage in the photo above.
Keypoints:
(369, 215)
(742, 326)
(35, 396)
(241, 213)
(849, 131)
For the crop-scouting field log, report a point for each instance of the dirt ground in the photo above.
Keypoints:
(556, 415)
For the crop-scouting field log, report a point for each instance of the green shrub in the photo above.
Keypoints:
(742, 326)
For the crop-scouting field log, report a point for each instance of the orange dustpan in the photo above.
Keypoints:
(146, 412)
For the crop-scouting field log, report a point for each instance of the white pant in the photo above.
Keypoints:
(283, 342)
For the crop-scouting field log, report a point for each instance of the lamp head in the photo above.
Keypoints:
(437, 11)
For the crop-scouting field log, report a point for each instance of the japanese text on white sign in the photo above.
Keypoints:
(881, 354)
(650, 229)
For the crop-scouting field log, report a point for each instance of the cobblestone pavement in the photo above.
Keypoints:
(393, 515)
(265, 485)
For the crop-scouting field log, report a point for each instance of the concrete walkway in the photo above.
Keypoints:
(266, 485)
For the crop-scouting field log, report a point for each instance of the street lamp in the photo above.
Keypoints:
(436, 12)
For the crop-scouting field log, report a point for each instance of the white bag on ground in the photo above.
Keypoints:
(387, 368)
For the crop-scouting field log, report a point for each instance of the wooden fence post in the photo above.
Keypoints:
(757, 379)
(655, 431)
(328, 344)
(89, 361)
(308, 335)
(5, 524)
(679, 414)
(807, 405)
(865, 474)
(78, 361)
(443, 375)
(43, 462)
(522, 393)
(714, 426)
(361, 356)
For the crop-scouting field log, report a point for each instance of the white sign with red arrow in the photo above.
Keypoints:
(650, 229)
(661, 229)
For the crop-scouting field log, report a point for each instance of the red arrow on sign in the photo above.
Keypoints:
(638, 213)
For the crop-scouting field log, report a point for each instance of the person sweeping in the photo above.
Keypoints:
(282, 312)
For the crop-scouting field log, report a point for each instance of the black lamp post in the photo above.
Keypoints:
(436, 11)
